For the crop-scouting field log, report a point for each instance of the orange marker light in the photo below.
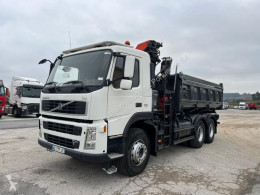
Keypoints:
(105, 128)
(159, 140)
(127, 42)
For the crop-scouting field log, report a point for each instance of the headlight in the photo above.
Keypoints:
(91, 138)
(24, 107)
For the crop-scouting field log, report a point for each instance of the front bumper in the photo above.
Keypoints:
(94, 158)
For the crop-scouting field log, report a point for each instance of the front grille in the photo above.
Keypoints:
(33, 108)
(74, 107)
(62, 128)
(69, 143)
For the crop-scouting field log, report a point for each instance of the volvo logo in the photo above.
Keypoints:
(60, 106)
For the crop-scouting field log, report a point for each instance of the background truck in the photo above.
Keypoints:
(24, 96)
(225, 105)
(2, 98)
(251, 106)
(243, 106)
(104, 103)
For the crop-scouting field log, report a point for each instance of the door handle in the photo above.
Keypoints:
(138, 104)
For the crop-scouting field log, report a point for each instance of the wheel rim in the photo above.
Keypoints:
(138, 152)
(211, 130)
(200, 132)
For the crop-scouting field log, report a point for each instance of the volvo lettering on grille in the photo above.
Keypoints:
(60, 106)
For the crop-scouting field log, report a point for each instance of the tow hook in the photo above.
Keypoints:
(111, 170)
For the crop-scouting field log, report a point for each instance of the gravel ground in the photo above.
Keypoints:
(230, 165)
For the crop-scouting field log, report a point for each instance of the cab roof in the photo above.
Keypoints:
(96, 45)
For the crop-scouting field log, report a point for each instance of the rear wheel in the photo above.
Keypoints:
(137, 153)
(0, 116)
(198, 141)
(210, 132)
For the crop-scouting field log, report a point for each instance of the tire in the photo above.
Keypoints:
(136, 154)
(198, 141)
(1, 116)
(16, 112)
(210, 132)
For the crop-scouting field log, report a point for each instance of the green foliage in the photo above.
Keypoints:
(256, 96)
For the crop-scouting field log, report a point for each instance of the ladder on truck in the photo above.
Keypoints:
(165, 131)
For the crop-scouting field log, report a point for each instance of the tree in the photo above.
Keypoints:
(256, 96)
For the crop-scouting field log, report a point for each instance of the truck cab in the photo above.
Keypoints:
(114, 87)
(243, 106)
(24, 96)
(2, 99)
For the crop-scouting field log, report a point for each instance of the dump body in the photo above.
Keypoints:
(193, 94)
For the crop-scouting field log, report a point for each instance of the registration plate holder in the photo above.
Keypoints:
(58, 149)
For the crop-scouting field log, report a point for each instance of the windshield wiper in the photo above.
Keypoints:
(76, 82)
(50, 83)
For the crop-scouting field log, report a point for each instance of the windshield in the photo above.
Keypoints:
(32, 92)
(89, 68)
(2, 91)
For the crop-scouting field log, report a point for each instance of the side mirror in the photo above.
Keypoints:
(42, 61)
(126, 84)
(7, 92)
(18, 91)
(129, 67)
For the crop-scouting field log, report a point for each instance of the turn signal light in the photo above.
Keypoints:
(105, 128)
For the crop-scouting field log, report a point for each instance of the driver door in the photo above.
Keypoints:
(122, 104)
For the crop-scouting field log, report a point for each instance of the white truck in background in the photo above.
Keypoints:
(243, 106)
(24, 96)
(225, 105)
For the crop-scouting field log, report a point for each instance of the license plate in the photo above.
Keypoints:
(58, 149)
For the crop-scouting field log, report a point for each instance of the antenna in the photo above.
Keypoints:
(69, 40)
(175, 78)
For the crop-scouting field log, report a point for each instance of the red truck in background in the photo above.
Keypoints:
(2, 98)
(251, 106)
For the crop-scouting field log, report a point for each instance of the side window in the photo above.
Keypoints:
(136, 76)
(119, 71)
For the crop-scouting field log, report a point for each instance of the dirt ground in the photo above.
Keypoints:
(230, 165)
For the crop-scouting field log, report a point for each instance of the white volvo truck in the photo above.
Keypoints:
(24, 96)
(103, 103)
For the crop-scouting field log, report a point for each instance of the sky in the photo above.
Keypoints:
(217, 41)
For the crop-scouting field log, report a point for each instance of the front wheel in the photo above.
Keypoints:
(16, 112)
(136, 154)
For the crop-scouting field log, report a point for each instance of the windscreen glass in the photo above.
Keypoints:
(89, 68)
(2, 91)
(31, 92)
